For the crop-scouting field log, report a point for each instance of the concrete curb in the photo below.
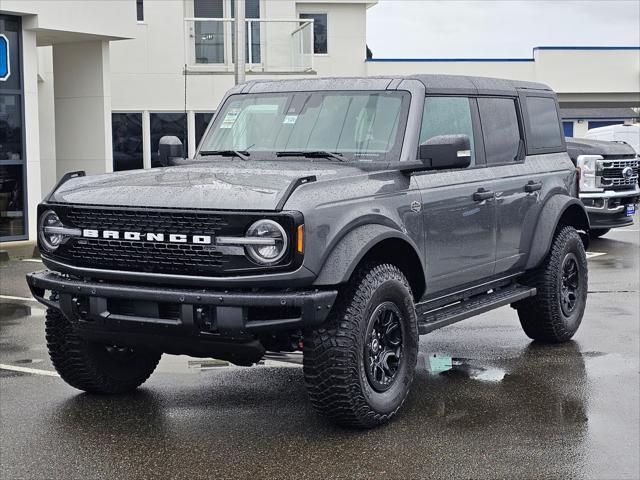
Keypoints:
(23, 249)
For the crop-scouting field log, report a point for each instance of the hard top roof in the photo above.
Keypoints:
(446, 84)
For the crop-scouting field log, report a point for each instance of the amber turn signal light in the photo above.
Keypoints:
(300, 239)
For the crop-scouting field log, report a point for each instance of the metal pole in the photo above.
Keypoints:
(239, 47)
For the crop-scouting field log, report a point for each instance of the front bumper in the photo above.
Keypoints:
(114, 306)
(608, 209)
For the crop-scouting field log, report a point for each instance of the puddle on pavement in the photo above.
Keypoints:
(13, 311)
(27, 361)
(453, 367)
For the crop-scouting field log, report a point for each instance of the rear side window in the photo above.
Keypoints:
(544, 123)
(500, 129)
(447, 116)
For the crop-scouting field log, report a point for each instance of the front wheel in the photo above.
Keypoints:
(95, 367)
(555, 313)
(359, 365)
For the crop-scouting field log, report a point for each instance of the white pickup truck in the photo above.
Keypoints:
(629, 134)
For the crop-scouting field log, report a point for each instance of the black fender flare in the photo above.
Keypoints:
(569, 210)
(352, 248)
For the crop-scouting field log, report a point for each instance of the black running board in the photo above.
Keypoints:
(430, 320)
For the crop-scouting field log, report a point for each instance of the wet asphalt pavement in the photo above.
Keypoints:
(505, 408)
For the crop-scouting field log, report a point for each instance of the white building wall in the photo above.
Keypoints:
(31, 128)
(46, 119)
(82, 107)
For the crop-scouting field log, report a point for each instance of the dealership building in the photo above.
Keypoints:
(92, 85)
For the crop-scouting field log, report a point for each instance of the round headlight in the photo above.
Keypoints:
(50, 241)
(270, 242)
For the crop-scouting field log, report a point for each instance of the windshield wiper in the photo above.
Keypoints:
(243, 154)
(313, 154)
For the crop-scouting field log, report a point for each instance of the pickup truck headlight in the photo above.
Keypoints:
(49, 232)
(267, 242)
(588, 165)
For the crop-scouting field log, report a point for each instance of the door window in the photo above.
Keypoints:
(500, 129)
(447, 116)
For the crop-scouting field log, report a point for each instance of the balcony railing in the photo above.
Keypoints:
(272, 45)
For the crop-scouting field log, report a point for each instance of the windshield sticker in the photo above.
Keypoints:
(230, 118)
(289, 119)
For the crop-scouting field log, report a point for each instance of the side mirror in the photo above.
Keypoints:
(169, 147)
(446, 151)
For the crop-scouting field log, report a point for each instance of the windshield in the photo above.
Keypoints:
(355, 125)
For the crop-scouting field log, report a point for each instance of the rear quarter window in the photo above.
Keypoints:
(544, 125)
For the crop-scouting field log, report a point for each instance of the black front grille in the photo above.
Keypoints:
(159, 256)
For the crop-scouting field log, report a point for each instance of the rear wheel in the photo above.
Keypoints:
(555, 313)
(95, 367)
(598, 232)
(359, 366)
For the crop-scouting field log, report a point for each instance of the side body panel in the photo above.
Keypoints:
(459, 232)
(518, 210)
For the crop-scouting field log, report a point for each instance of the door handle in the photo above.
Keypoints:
(532, 186)
(483, 194)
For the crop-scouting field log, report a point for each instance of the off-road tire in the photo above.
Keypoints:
(542, 317)
(89, 366)
(598, 232)
(334, 363)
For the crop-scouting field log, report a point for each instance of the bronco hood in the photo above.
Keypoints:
(223, 185)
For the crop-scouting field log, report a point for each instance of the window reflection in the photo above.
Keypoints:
(162, 124)
(12, 214)
(127, 141)
(202, 121)
(10, 128)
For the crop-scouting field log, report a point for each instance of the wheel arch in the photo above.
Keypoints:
(559, 211)
(369, 243)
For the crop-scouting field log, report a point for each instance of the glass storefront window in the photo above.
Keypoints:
(126, 130)
(10, 127)
(12, 208)
(202, 121)
(162, 124)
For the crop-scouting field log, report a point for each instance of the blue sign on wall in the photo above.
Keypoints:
(5, 68)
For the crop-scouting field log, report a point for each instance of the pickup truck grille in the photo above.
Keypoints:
(157, 256)
(613, 174)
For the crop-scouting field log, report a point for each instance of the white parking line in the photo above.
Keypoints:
(24, 299)
(35, 371)
(595, 254)
(35, 260)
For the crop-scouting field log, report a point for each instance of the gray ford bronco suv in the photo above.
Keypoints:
(338, 217)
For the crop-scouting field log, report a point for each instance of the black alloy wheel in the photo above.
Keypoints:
(383, 346)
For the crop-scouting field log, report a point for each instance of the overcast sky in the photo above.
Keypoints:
(496, 28)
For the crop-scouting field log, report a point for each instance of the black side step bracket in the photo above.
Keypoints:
(430, 320)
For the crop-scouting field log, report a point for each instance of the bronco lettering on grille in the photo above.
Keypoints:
(148, 237)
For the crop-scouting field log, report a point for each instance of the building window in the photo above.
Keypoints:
(126, 133)
(13, 194)
(12, 198)
(319, 31)
(10, 127)
(162, 124)
(140, 10)
(201, 122)
(568, 129)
